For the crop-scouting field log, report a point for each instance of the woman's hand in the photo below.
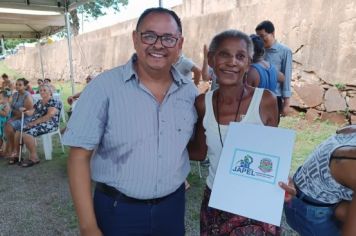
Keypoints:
(289, 188)
(30, 124)
(22, 109)
(70, 100)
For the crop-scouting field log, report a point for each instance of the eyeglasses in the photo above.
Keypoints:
(151, 38)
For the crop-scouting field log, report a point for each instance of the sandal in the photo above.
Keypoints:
(13, 160)
(29, 163)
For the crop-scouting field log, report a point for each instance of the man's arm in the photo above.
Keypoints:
(287, 71)
(80, 188)
(197, 147)
(205, 67)
(196, 75)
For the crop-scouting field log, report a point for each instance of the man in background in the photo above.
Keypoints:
(280, 56)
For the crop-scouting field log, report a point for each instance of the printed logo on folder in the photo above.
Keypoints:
(258, 166)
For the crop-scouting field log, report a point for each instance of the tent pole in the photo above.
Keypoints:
(2, 46)
(41, 61)
(66, 13)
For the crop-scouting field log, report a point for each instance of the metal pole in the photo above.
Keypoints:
(66, 13)
(2, 46)
(160, 2)
(41, 61)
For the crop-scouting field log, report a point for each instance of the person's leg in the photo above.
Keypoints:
(311, 220)
(116, 217)
(9, 133)
(30, 143)
(16, 141)
(168, 215)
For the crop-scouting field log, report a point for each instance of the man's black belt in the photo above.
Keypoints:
(116, 194)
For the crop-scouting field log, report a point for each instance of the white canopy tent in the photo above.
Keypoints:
(51, 17)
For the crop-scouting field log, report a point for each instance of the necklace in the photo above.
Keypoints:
(217, 111)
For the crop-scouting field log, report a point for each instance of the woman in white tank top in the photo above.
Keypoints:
(230, 54)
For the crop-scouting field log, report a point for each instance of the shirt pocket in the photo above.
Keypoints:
(184, 116)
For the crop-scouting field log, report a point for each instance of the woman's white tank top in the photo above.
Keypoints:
(212, 132)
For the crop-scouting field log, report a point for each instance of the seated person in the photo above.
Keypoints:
(45, 119)
(20, 100)
(325, 203)
(72, 99)
(29, 87)
(5, 111)
(6, 83)
(39, 83)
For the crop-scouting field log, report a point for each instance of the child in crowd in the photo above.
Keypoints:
(4, 112)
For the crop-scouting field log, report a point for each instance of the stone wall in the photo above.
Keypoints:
(321, 34)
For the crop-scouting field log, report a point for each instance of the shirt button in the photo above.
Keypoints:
(179, 130)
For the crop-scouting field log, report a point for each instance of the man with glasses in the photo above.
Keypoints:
(138, 118)
(280, 56)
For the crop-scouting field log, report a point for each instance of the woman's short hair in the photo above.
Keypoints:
(231, 34)
(46, 86)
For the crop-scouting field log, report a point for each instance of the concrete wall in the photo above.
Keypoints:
(321, 33)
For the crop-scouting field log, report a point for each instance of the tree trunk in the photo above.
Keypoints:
(74, 23)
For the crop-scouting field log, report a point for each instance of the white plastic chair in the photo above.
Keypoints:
(47, 138)
(47, 143)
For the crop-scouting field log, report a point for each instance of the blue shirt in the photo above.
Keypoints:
(140, 144)
(268, 76)
(280, 56)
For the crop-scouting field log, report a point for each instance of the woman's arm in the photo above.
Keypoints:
(5, 111)
(269, 109)
(253, 78)
(28, 103)
(280, 77)
(343, 171)
(197, 147)
(52, 111)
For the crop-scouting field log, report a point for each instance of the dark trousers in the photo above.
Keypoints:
(120, 218)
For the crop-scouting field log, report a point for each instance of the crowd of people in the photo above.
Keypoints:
(147, 121)
(22, 119)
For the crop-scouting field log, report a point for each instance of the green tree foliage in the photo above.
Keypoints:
(12, 43)
(94, 9)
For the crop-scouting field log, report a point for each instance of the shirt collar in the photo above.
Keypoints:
(274, 46)
(132, 74)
